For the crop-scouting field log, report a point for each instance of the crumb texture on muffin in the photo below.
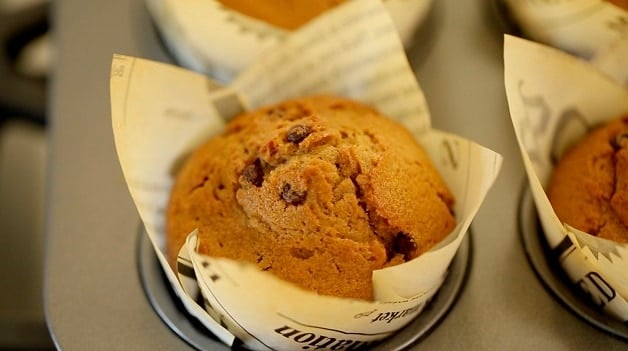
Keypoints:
(287, 14)
(319, 191)
(589, 186)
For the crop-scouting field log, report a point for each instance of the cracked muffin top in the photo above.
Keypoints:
(319, 191)
(589, 186)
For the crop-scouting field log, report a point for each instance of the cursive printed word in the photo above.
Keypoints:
(391, 316)
(597, 288)
(364, 314)
(312, 341)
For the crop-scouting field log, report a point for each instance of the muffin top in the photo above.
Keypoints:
(589, 186)
(287, 14)
(319, 191)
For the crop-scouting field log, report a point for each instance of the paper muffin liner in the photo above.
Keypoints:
(580, 27)
(210, 38)
(554, 100)
(160, 113)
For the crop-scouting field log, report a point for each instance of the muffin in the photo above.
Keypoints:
(320, 191)
(589, 186)
(287, 14)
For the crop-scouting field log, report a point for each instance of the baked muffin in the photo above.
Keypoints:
(319, 191)
(589, 187)
(288, 14)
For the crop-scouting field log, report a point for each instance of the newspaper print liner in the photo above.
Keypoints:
(554, 100)
(207, 37)
(160, 113)
(581, 27)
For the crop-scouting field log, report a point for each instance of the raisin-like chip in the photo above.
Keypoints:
(297, 133)
(620, 140)
(405, 244)
(301, 253)
(254, 173)
(292, 196)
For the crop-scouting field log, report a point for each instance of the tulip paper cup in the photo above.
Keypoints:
(555, 99)
(161, 112)
(208, 37)
(581, 27)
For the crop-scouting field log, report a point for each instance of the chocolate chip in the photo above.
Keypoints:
(405, 244)
(297, 133)
(292, 196)
(620, 140)
(253, 173)
(301, 253)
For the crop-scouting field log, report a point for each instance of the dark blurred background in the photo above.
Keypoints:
(26, 53)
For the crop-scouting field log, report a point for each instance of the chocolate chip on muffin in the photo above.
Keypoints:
(297, 133)
(253, 173)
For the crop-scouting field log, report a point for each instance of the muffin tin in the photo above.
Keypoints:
(103, 286)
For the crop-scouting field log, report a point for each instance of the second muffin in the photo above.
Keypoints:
(287, 14)
(319, 191)
(589, 186)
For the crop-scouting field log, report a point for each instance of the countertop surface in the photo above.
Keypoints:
(94, 299)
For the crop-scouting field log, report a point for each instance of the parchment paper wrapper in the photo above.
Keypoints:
(555, 99)
(160, 113)
(208, 37)
(580, 27)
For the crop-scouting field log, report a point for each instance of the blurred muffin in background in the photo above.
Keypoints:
(287, 14)
(589, 186)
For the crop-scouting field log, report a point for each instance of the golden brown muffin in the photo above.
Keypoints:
(589, 186)
(319, 191)
(620, 3)
(288, 14)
